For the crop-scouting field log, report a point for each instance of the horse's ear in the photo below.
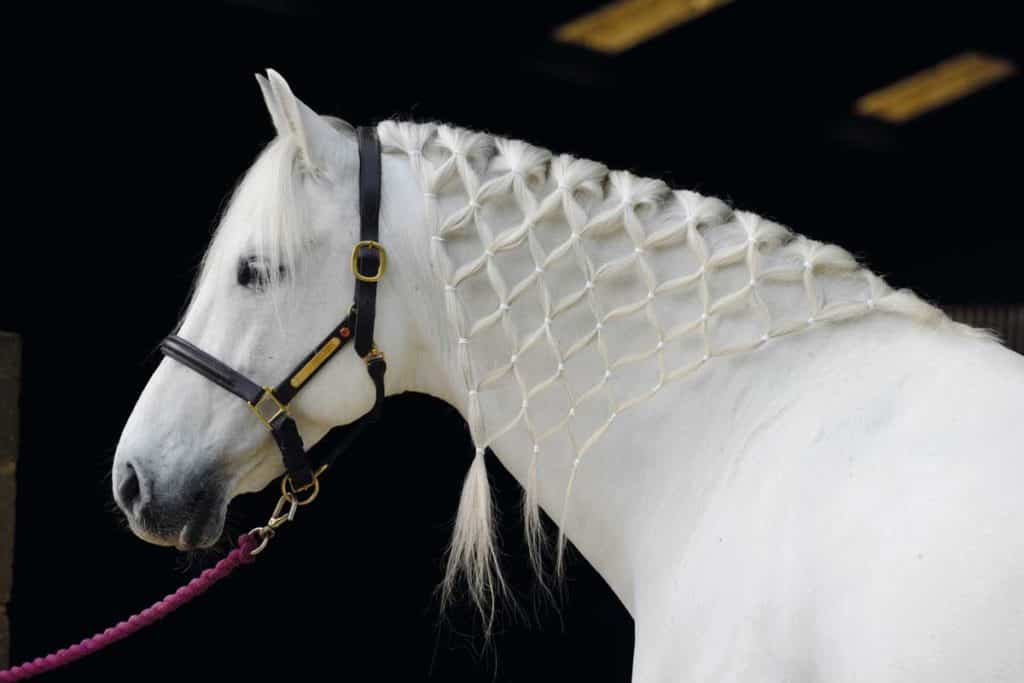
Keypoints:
(280, 123)
(312, 133)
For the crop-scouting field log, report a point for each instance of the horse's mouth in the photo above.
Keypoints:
(143, 533)
(203, 530)
(197, 533)
(195, 522)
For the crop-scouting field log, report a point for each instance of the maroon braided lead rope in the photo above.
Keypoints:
(197, 586)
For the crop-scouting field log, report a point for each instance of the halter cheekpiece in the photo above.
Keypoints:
(270, 404)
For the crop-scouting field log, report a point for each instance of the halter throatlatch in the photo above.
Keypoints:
(270, 404)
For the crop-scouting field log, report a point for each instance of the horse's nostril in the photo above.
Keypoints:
(129, 490)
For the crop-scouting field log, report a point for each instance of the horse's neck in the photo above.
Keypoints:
(572, 297)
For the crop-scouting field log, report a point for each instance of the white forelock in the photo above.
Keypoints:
(264, 218)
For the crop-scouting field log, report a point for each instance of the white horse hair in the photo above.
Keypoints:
(687, 372)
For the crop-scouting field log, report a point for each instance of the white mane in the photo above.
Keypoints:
(549, 259)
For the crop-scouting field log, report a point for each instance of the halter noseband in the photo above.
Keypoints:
(369, 261)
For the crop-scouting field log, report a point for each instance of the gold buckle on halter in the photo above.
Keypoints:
(268, 408)
(370, 244)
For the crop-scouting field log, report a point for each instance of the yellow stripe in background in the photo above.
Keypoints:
(624, 24)
(942, 84)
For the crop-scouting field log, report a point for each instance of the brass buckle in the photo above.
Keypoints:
(268, 408)
(370, 244)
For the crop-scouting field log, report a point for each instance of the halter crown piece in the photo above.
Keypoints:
(270, 404)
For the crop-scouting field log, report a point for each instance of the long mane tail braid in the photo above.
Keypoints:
(472, 555)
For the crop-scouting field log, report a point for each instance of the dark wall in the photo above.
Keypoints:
(127, 128)
(10, 385)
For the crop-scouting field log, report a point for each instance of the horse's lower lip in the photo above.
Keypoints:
(200, 532)
(205, 519)
(148, 536)
(185, 539)
(192, 537)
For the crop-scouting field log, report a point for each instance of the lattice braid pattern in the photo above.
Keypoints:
(683, 277)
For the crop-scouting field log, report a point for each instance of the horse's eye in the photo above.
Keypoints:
(254, 272)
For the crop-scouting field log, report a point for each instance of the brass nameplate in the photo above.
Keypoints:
(318, 359)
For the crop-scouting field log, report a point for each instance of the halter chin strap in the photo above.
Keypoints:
(270, 405)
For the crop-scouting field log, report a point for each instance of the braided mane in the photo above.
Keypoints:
(561, 277)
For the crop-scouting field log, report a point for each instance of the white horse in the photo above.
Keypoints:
(785, 470)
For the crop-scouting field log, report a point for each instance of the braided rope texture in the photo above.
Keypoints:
(197, 586)
(672, 267)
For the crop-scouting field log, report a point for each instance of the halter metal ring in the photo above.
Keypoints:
(291, 494)
(265, 534)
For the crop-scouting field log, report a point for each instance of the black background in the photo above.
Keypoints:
(126, 128)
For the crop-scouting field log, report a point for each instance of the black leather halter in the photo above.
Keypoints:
(369, 261)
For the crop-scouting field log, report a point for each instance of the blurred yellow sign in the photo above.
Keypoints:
(621, 25)
(946, 82)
